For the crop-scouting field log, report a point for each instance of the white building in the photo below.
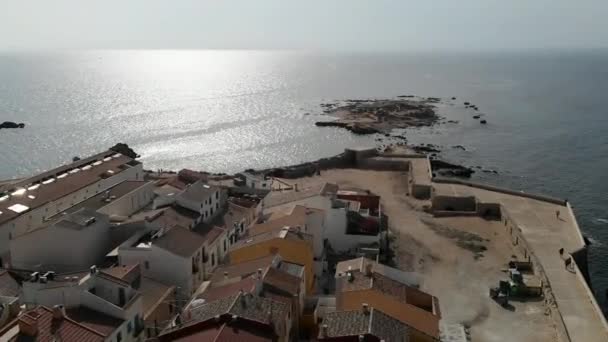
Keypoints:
(254, 181)
(174, 256)
(28, 203)
(202, 198)
(53, 247)
(73, 243)
(336, 232)
(97, 300)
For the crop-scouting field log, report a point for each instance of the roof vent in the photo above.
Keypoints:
(324, 329)
(34, 276)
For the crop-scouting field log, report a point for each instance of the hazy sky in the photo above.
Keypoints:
(304, 24)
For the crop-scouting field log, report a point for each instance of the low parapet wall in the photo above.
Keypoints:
(518, 241)
(501, 190)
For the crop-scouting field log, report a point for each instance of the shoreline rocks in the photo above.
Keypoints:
(381, 115)
(10, 124)
(446, 169)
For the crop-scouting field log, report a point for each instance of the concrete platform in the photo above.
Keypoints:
(545, 233)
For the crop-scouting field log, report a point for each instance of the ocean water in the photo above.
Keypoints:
(224, 111)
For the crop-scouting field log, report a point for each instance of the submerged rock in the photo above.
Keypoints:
(459, 147)
(483, 122)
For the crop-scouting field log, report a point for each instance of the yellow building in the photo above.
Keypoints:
(293, 246)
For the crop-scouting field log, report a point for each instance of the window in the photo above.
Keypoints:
(129, 327)
(212, 259)
(217, 194)
(118, 337)
(147, 264)
(224, 245)
(217, 205)
(263, 185)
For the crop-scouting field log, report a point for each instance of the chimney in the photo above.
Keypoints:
(93, 269)
(225, 275)
(365, 308)
(34, 276)
(324, 328)
(361, 338)
(259, 273)
(28, 323)
(368, 269)
(58, 312)
(235, 318)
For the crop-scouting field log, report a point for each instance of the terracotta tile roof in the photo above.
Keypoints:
(224, 330)
(49, 329)
(95, 320)
(359, 281)
(247, 285)
(282, 281)
(9, 287)
(153, 294)
(210, 309)
(65, 185)
(243, 269)
(357, 322)
(245, 305)
(180, 241)
(264, 310)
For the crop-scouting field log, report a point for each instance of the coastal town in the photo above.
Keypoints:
(369, 245)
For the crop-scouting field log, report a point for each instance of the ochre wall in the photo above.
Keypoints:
(299, 252)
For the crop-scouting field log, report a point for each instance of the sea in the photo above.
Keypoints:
(229, 110)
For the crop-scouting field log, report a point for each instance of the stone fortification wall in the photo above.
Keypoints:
(501, 190)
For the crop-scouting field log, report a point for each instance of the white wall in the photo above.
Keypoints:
(35, 217)
(209, 207)
(163, 266)
(131, 202)
(62, 249)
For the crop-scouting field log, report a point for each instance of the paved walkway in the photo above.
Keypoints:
(546, 234)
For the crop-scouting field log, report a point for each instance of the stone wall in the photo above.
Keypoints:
(454, 203)
(501, 190)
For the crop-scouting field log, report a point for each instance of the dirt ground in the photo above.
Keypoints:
(458, 259)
